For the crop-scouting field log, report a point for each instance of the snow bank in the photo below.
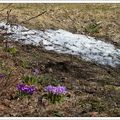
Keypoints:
(63, 41)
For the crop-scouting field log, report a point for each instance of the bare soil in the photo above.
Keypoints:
(93, 90)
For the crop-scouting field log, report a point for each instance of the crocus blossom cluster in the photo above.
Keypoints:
(57, 90)
(26, 89)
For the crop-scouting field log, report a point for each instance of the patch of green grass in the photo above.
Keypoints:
(47, 79)
(57, 113)
(12, 50)
(30, 79)
(92, 28)
(25, 63)
(43, 79)
(93, 104)
(6, 69)
(114, 112)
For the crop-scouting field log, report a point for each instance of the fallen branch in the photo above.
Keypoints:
(34, 17)
(8, 16)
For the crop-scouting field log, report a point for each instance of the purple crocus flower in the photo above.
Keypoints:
(36, 71)
(57, 90)
(26, 89)
(2, 76)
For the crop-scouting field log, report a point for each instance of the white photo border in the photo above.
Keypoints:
(59, 1)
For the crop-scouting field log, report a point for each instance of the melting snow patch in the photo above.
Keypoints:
(62, 41)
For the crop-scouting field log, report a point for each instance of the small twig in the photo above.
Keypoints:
(8, 16)
(34, 16)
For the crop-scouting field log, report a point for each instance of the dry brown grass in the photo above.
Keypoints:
(93, 89)
(76, 18)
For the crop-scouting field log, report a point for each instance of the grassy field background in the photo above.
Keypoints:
(93, 90)
(99, 20)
